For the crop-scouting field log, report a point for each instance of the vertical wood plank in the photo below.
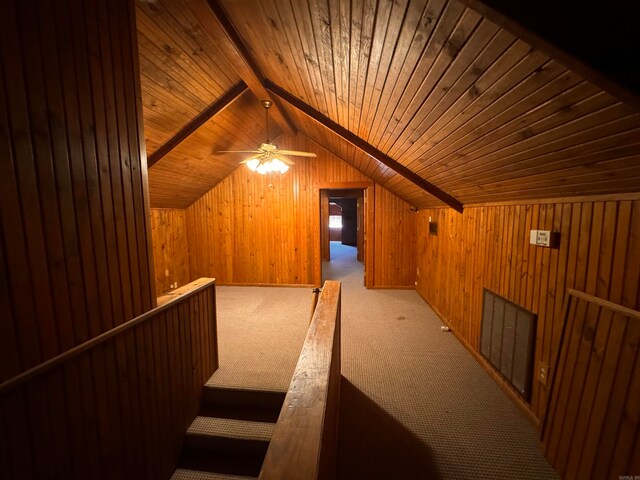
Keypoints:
(14, 411)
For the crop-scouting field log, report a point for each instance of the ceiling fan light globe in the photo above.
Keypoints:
(278, 165)
(263, 168)
(253, 164)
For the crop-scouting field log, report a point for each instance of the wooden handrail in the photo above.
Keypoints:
(304, 441)
(604, 303)
(198, 285)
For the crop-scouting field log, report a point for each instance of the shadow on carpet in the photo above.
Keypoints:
(372, 445)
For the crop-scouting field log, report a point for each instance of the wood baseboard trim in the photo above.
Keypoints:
(287, 285)
(506, 388)
(393, 287)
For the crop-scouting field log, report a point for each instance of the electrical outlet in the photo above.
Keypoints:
(543, 372)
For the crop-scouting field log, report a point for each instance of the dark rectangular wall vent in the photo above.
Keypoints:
(507, 340)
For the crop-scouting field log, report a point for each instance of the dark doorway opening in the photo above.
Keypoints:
(342, 225)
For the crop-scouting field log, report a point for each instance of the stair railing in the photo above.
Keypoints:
(304, 441)
(115, 406)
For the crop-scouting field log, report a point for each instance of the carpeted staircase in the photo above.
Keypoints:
(230, 437)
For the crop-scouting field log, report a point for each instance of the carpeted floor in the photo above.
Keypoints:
(261, 331)
(415, 404)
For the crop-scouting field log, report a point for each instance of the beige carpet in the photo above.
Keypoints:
(261, 331)
(415, 404)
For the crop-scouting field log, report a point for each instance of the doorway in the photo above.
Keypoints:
(342, 233)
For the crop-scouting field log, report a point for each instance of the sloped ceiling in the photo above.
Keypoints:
(458, 100)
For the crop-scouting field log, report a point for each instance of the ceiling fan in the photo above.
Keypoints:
(268, 158)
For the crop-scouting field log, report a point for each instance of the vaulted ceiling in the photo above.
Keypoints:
(460, 102)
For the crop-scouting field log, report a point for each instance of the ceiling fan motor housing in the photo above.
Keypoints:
(268, 147)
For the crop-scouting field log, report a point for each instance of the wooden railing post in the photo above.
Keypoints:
(314, 302)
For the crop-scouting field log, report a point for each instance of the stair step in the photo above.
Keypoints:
(186, 474)
(230, 435)
(227, 446)
(241, 403)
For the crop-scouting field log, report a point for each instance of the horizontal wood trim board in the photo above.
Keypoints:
(611, 197)
(197, 286)
(268, 285)
(364, 146)
(604, 303)
(394, 287)
(344, 185)
(184, 290)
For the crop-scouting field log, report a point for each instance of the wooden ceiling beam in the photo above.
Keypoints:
(238, 54)
(598, 41)
(211, 111)
(364, 146)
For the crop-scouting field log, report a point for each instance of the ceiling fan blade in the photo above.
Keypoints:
(252, 157)
(239, 151)
(296, 153)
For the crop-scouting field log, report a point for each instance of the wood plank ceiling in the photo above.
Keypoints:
(183, 70)
(461, 102)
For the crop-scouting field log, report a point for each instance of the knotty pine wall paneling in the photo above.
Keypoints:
(75, 237)
(170, 248)
(592, 418)
(394, 240)
(488, 247)
(144, 401)
(253, 229)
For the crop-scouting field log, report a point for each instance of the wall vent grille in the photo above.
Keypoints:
(507, 340)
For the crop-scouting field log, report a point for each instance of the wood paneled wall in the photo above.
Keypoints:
(170, 248)
(591, 429)
(488, 246)
(252, 229)
(395, 225)
(119, 410)
(74, 232)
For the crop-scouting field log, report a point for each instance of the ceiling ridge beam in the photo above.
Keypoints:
(203, 117)
(365, 146)
(249, 70)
